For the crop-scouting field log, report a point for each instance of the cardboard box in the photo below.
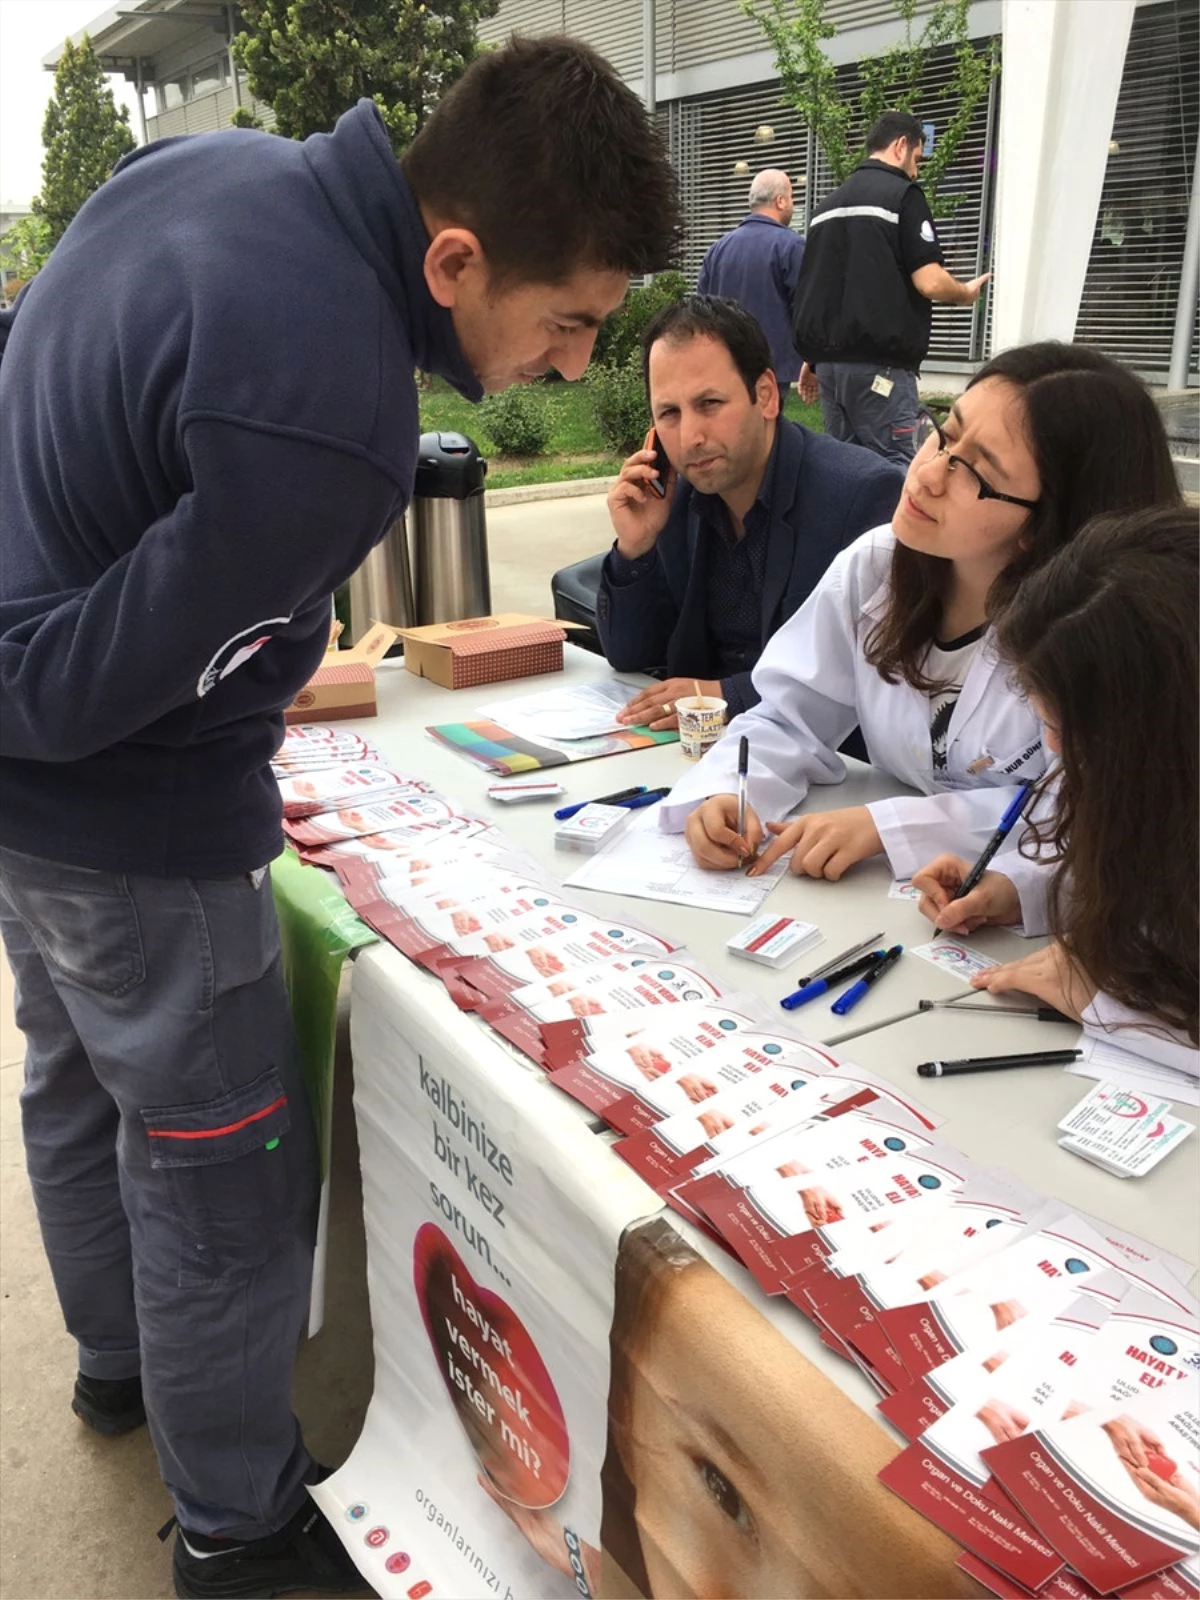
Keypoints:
(459, 655)
(344, 684)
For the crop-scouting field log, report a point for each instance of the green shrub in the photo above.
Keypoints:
(619, 397)
(620, 335)
(518, 421)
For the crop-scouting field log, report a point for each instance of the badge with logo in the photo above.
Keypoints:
(235, 652)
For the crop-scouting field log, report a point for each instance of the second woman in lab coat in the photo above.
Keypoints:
(1104, 639)
(896, 638)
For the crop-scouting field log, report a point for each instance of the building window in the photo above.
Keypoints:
(172, 93)
(208, 78)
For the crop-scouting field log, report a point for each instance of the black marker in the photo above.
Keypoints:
(1031, 1058)
(846, 1002)
(819, 986)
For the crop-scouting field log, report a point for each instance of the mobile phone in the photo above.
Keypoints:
(660, 463)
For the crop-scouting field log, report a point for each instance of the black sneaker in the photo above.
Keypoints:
(110, 1405)
(304, 1554)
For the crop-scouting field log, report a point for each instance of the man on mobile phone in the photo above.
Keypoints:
(755, 509)
(192, 458)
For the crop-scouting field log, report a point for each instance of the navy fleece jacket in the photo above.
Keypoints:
(207, 418)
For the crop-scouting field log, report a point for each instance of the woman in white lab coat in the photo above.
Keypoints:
(1104, 641)
(896, 638)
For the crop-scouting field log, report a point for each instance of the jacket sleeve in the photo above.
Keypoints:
(269, 523)
(791, 260)
(636, 613)
(738, 692)
(795, 729)
(874, 502)
(1116, 1024)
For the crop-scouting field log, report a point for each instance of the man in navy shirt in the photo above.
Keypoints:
(864, 303)
(758, 265)
(755, 510)
(191, 461)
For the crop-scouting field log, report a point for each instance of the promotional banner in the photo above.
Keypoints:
(479, 1468)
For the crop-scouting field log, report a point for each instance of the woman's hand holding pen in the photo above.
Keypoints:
(824, 844)
(712, 834)
(1049, 974)
(993, 902)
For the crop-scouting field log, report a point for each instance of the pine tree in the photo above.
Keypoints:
(310, 60)
(84, 134)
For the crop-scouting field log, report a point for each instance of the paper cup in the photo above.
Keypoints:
(701, 724)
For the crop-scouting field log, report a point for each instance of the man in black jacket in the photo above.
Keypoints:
(864, 303)
(756, 507)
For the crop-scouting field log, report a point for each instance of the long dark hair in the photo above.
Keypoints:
(1105, 635)
(1099, 445)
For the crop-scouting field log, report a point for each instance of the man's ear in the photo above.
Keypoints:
(766, 391)
(454, 255)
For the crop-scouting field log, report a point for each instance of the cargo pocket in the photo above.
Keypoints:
(225, 1175)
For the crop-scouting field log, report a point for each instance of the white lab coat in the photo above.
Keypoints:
(816, 685)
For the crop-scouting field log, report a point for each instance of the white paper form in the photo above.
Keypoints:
(648, 864)
(1106, 1061)
(583, 711)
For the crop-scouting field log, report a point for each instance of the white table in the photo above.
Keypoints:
(845, 912)
(1002, 1119)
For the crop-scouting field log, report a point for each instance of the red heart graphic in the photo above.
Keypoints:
(498, 1383)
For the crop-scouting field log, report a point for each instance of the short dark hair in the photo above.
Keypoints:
(545, 154)
(708, 316)
(893, 125)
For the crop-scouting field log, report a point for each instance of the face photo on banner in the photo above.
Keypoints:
(705, 1491)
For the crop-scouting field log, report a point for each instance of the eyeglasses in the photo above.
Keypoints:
(927, 427)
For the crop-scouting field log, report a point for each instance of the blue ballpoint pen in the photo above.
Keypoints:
(1007, 822)
(819, 986)
(847, 1002)
(650, 798)
(564, 812)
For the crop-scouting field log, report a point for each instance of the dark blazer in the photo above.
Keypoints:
(824, 495)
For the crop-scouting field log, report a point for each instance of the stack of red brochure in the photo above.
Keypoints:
(451, 892)
(1044, 1366)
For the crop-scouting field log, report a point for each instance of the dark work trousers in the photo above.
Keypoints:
(173, 1164)
(853, 411)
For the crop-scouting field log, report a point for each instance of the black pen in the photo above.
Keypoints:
(1030, 1058)
(840, 959)
(601, 800)
(819, 986)
(743, 769)
(846, 1002)
(1007, 823)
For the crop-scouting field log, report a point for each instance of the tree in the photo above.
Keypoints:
(310, 60)
(85, 133)
(24, 249)
(892, 80)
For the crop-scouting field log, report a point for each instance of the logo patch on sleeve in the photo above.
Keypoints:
(235, 652)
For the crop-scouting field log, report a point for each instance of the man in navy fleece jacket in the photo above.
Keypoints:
(192, 457)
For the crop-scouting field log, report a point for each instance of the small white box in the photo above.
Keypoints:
(511, 794)
(588, 829)
(774, 941)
